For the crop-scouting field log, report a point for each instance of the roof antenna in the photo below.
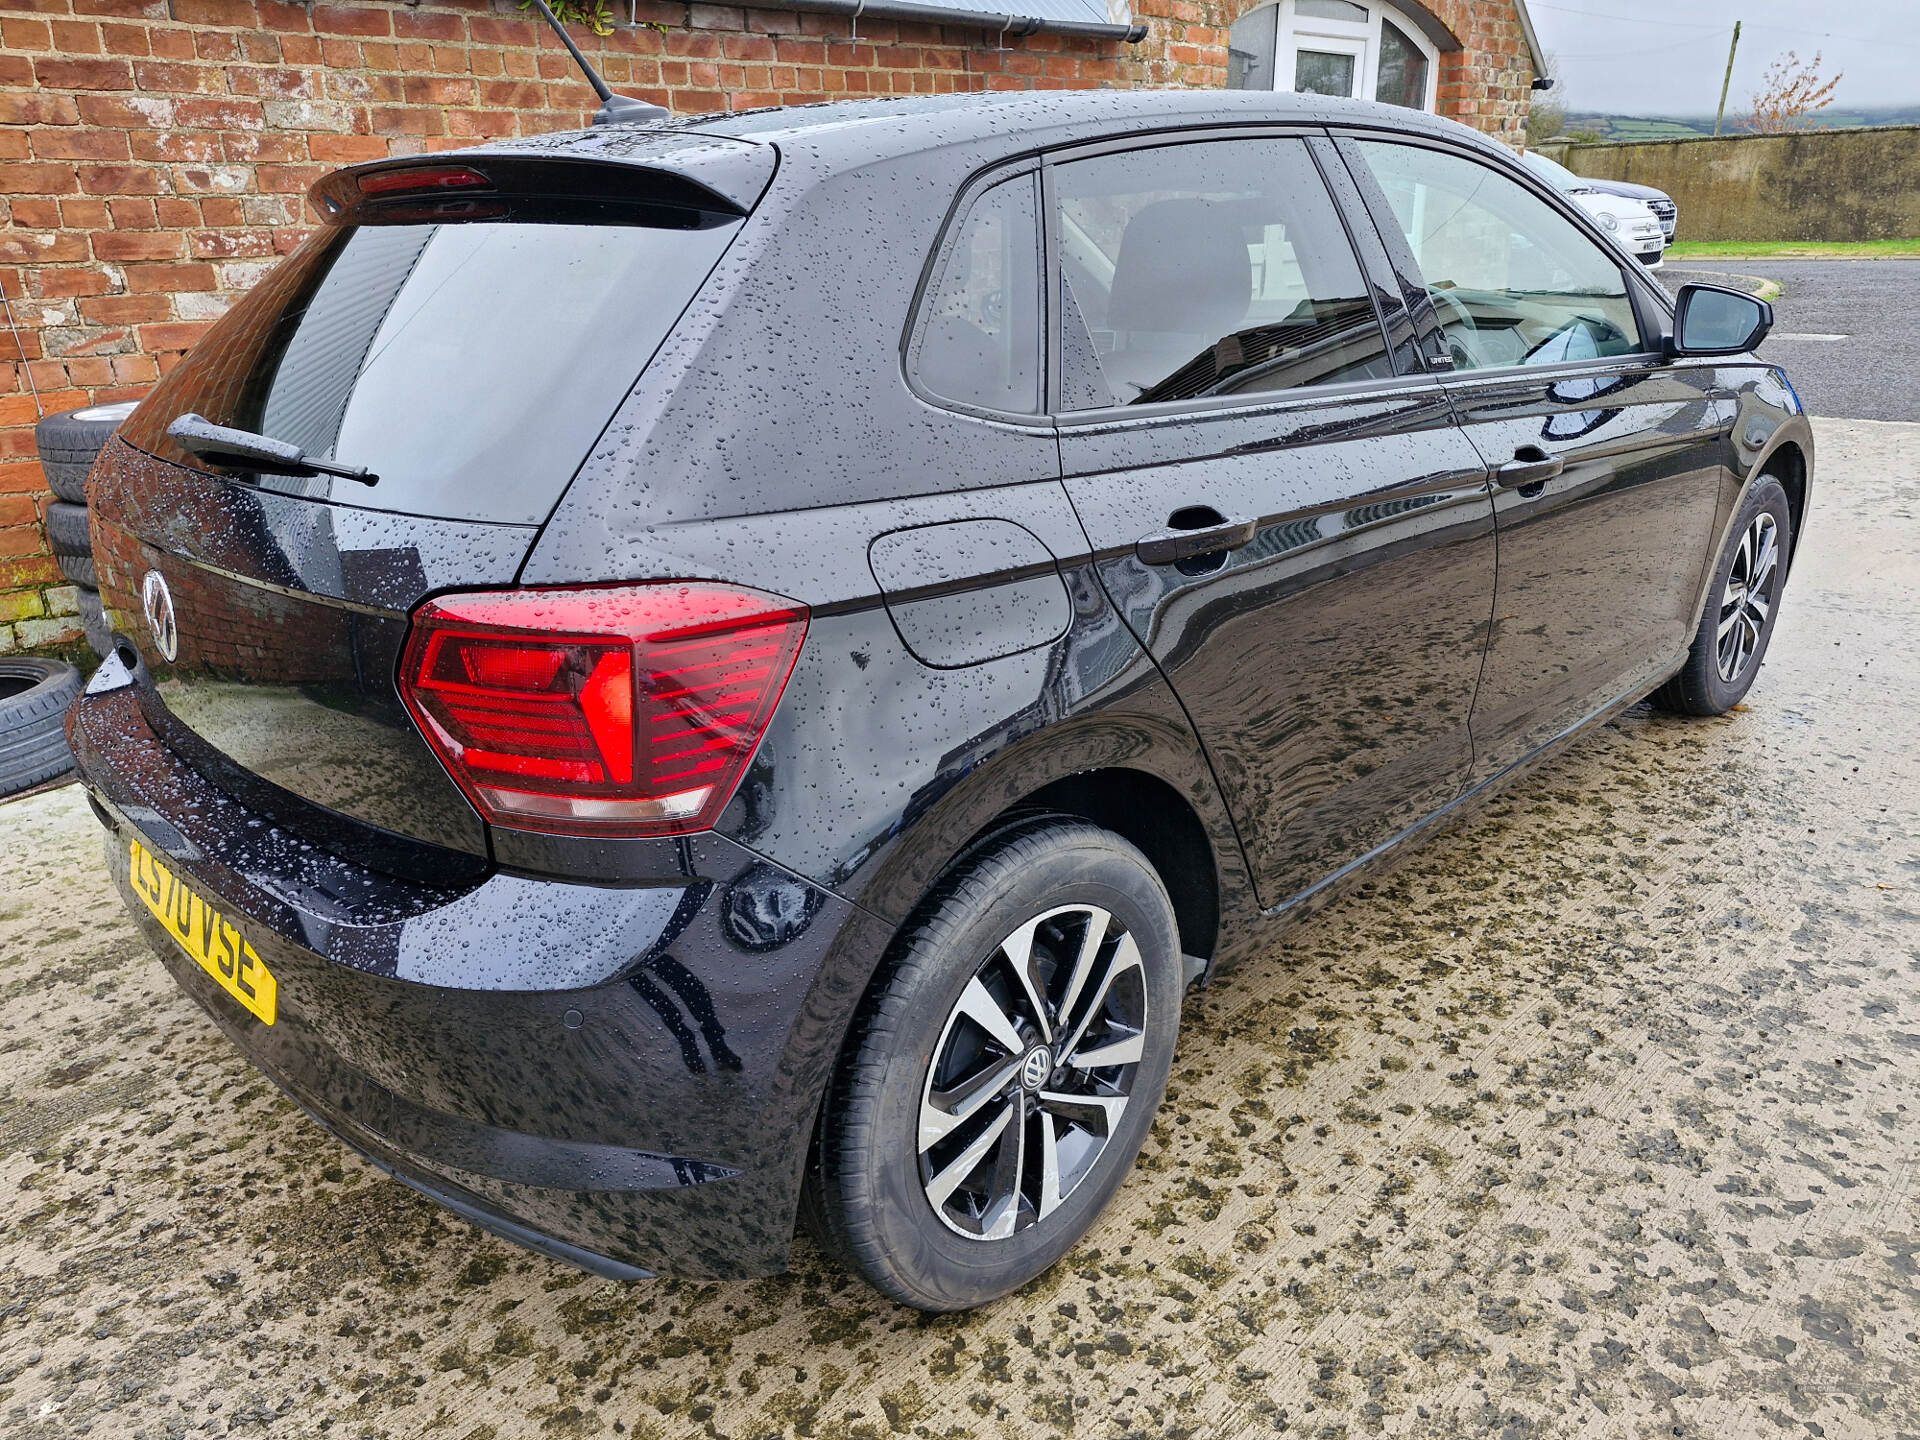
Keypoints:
(614, 109)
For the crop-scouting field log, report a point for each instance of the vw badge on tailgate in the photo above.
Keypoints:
(157, 601)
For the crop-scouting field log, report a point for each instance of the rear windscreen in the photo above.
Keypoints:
(470, 366)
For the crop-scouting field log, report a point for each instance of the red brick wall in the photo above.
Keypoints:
(154, 154)
(1486, 83)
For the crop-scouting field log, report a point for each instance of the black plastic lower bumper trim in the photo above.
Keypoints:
(494, 1224)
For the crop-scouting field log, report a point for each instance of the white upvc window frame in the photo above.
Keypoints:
(1296, 32)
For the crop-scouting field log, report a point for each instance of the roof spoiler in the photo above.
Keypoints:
(501, 185)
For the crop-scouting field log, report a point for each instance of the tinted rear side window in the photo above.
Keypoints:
(979, 337)
(1215, 268)
(470, 366)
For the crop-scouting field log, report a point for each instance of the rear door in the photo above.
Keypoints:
(1611, 457)
(468, 352)
(1299, 534)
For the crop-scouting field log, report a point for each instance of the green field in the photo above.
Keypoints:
(1615, 129)
(1793, 250)
(1626, 129)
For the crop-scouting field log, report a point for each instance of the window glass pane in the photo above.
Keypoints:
(1555, 174)
(1322, 72)
(979, 340)
(1403, 69)
(1250, 49)
(1332, 10)
(1514, 281)
(470, 366)
(1210, 269)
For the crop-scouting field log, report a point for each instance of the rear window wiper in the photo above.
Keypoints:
(243, 448)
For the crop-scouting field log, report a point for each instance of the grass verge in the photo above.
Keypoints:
(1794, 250)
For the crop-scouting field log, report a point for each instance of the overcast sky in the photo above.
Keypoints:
(1647, 57)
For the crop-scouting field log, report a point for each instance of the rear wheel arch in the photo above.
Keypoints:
(862, 1196)
(1155, 818)
(1146, 809)
(1143, 755)
(1136, 768)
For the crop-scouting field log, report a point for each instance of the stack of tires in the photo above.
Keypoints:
(35, 693)
(68, 443)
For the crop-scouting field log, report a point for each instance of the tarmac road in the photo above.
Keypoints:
(1847, 331)
(1596, 1117)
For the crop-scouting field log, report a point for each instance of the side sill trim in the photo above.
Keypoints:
(1494, 781)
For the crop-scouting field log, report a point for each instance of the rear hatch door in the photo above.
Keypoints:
(463, 331)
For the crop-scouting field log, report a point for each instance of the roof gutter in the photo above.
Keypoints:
(1007, 26)
(1538, 55)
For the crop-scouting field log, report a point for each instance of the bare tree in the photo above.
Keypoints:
(1547, 109)
(1545, 118)
(1791, 90)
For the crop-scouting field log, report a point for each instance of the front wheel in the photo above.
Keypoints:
(1741, 609)
(1004, 1071)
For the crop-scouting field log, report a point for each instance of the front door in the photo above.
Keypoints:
(1610, 459)
(1302, 538)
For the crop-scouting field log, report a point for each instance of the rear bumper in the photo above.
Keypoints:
(622, 1076)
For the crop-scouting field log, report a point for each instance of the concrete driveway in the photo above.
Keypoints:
(1597, 1117)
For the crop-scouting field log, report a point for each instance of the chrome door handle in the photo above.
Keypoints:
(1525, 470)
(1170, 547)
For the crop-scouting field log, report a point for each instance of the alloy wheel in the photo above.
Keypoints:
(1032, 1072)
(1747, 600)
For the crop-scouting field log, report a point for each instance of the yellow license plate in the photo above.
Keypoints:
(205, 934)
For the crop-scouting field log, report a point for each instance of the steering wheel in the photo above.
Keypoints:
(1466, 356)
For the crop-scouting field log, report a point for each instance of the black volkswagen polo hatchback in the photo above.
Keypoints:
(689, 675)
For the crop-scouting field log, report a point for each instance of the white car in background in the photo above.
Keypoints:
(1631, 222)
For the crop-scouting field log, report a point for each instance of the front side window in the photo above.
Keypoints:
(1215, 268)
(978, 341)
(1555, 174)
(1514, 281)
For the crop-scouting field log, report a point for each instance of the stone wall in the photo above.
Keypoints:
(1833, 185)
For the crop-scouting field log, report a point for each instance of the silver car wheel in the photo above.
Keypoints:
(1747, 600)
(1032, 1072)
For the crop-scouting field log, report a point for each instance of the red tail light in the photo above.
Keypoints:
(621, 711)
(415, 178)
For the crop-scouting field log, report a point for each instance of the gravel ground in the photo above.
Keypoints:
(1594, 1118)
(1867, 371)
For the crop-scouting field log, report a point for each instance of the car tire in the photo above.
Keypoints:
(69, 441)
(1741, 610)
(919, 1041)
(67, 529)
(93, 619)
(72, 543)
(34, 696)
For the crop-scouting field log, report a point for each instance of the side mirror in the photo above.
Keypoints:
(1713, 320)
